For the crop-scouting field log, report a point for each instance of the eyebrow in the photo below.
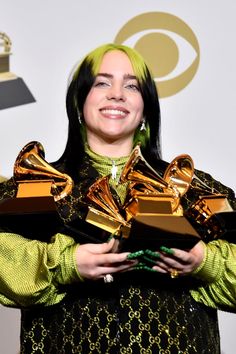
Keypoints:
(110, 76)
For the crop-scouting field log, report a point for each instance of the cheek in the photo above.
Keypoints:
(139, 104)
(88, 115)
(92, 102)
(140, 108)
(88, 107)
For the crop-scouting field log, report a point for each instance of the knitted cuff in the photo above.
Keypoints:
(210, 268)
(74, 265)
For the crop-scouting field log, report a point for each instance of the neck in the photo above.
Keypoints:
(111, 148)
(106, 165)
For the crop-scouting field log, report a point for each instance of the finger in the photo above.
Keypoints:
(181, 256)
(102, 271)
(149, 260)
(136, 255)
(113, 259)
(144, 266)
(152, 254)
(175, 253)
(167, 250)
(107, 246)
(100, 248)
(168, 263)
(144, 254)
(163, 267)
(160, 269)
(183, 269)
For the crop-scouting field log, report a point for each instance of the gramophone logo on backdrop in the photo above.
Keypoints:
(168, 45)
(13, 90)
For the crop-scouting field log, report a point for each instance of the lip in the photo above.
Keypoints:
(115, 108)
(114, 111)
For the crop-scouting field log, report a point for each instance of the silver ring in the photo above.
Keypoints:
(108, 278)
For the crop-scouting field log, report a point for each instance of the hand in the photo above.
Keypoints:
(184, 262)
(94, 261)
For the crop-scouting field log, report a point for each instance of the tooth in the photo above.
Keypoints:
(113, 111)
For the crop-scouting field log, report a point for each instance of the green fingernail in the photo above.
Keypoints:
(150, 260)
(144, 267)
(130, 256)
(151, 253)
(166, 250)
(135, 254)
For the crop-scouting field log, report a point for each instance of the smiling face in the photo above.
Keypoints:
(114, 106)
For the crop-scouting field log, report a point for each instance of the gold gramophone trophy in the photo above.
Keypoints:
(39, 187)
(152, 214)
(13, 90)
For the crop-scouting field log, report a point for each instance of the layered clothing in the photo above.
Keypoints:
(139, 312)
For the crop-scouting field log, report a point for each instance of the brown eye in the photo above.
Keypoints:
(100, 84)
(133, 87)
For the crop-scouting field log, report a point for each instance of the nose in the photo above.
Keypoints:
(116, 93)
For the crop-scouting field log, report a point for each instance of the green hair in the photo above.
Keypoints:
(78, 90)
(94, 60)
(138, 64)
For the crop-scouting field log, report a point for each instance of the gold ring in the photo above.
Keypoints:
(174, 273)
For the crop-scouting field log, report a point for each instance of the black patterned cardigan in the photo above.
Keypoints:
(139, 312)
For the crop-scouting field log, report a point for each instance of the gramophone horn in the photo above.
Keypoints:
(179, 173)
(145, 181)
(138, 170)
(30, 165)
(100, 194)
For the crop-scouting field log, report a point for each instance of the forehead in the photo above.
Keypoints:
(116, 60)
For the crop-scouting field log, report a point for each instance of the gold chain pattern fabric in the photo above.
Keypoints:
(122, 319)
(138, 313)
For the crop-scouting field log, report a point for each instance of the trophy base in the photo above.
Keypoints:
(221, 226)
(27, 205)
(14, 93)
(34, 217)
(152, 231)
(147, 230)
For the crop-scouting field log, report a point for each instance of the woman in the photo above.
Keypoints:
(98, 301)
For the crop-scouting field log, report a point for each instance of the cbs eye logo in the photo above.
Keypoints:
(168, 45)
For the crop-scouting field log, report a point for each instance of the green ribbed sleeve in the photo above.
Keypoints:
(218, 272)
(34, 272)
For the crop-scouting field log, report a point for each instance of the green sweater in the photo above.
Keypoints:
(31, 271)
